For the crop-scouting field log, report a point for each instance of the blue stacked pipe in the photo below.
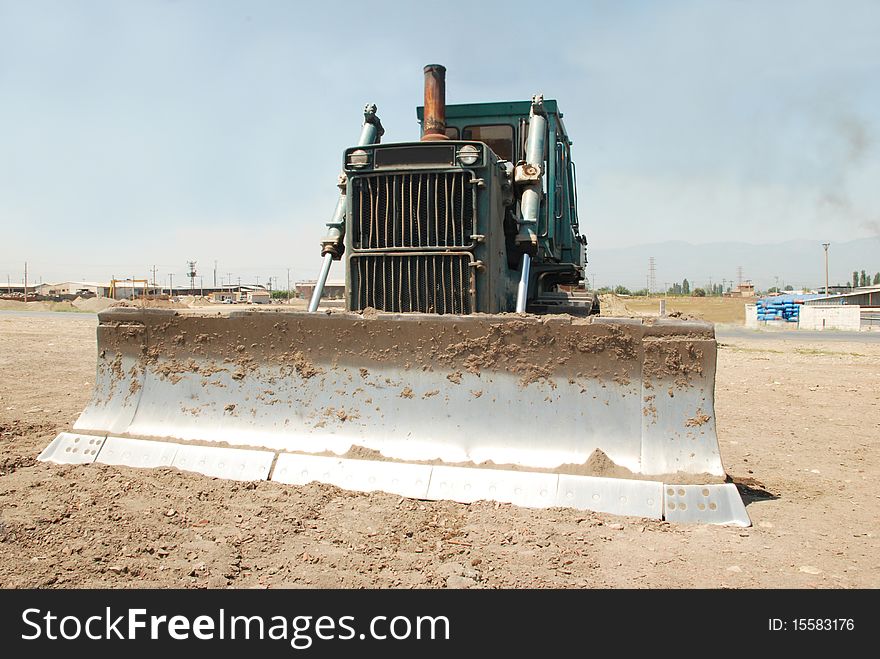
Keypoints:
(778, 308)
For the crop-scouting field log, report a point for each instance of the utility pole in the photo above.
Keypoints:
(170, 285)
(191, 274)
(825, 245)
(154, 275)
(215, 273)
(651, 275)
(201, 286)
(739, 275)
(25, 282)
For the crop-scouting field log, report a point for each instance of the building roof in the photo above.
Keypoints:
(871, 295)
(856, 291)
(103, 284)
(793, 297)
(312, 282)
(77, 283)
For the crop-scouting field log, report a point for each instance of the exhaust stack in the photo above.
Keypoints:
(434, 123)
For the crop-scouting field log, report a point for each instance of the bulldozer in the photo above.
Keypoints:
(469, 363)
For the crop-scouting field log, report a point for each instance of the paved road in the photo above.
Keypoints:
(735, 332)
(53, 314)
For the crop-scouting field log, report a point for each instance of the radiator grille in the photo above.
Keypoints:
(419, 210)
(427, 283)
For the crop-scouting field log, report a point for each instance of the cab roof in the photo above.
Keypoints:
(513, 109)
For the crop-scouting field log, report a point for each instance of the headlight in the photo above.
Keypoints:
(358, 158)
(468, 154)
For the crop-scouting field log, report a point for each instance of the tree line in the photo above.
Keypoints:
(859, 278)
(683, 288)
(863, 279)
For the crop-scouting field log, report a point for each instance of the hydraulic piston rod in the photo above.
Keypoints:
(331, 246)
(319, 285)
(529, 174)
(523, 291)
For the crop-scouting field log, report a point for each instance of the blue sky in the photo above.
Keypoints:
(143, 133)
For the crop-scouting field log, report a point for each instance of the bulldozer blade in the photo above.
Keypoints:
(608, 414)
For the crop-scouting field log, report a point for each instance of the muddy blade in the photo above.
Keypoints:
(602, 414)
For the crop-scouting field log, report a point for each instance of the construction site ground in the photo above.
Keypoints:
(798, 422)
(713, 309)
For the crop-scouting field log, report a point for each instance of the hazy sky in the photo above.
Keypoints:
(143, 132)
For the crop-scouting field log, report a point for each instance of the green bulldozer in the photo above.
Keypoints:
(469, 363)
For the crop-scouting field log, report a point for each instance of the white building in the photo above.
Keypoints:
(75, 288)
(258, 297)
(333, 289)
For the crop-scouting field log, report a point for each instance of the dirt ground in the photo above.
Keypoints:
(713, 309)
(798, 422)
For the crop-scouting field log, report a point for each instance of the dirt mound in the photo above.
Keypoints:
(616, 306)
(12, 305)
(15, 305)
(712, 309)
(151, 304)
(93, 304)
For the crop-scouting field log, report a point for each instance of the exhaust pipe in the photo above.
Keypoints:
(434, 122)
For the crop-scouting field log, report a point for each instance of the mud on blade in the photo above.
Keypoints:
(537, 410)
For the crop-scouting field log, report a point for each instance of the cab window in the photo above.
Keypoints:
(499, 138)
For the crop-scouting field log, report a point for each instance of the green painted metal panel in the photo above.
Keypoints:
(506, 109)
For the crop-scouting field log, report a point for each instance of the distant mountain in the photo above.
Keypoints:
(799, 263)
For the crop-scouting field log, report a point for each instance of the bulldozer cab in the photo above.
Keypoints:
(503, 127)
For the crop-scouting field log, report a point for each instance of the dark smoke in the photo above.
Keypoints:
(855, 136)
(856, 143)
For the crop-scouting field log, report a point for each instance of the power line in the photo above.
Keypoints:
(191, 274)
